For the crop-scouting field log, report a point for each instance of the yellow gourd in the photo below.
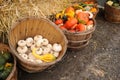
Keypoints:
(58, 15)
(93, 10)
(46, 58)
(8, 64)
(70, 14)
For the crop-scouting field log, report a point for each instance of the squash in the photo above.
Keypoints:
(6, 64)
(46, 57)
(1, 67)
(69, 9)
(2, 60)
(5, 73)
(83, 16)
(7, 56)
(70, 23)
(81, 27)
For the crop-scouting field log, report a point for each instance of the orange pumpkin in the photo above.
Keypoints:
(62, 27)
(69, 9)
(90, 22)
(70, 23)
(58, 21)
(83, 16)
(80, 27)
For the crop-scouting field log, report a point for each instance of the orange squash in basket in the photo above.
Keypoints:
(83, 16)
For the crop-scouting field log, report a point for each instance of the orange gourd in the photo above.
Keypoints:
(58, 21)
(69, 9)
(83, 16)
(71, 22)
(80, 27)
(90, 22)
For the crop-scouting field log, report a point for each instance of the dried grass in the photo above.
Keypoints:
(12, 10)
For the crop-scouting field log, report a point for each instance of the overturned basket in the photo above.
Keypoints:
(29, 27)
(13, 74)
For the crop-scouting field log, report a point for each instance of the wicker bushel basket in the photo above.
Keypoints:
(29, 27)
(76, 41)
(13, 74)
(112, 14)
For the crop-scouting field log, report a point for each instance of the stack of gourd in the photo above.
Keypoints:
(77, 22)
(38, 49)
(40, 43)
(7, 64)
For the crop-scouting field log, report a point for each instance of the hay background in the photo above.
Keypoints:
(12, 10)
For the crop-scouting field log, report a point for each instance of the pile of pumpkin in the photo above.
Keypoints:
(37, 49)
(114, 3)
(76, 18)
(6, 64)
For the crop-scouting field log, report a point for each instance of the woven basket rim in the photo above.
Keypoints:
(14, 67)
(37, 64)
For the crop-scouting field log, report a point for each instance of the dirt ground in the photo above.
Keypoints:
(100, 60)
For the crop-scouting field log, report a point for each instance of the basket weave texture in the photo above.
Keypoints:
(29, 27)
(78, 40)
(13, 74)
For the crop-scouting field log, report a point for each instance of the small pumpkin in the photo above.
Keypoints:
(58, 21)
(62, 27)
(68, 9)
(90, 22)
(71, 22)
(80, 27)
(83, 16)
